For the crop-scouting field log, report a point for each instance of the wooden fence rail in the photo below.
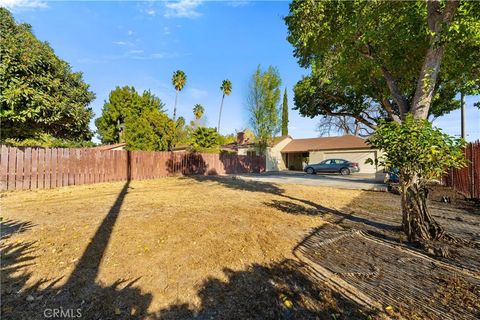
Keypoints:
(38, 168)
(467, 180)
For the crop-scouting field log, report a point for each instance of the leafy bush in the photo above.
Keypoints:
(420, 151)
(206, 140)
(47, 141)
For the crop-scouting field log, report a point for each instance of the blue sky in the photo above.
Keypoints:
(143, 43)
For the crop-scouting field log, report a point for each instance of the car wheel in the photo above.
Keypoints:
(310, 171)
(345, 171)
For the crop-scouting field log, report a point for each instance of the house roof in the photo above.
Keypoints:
(111, 146)
(326, 143)
(277, 140)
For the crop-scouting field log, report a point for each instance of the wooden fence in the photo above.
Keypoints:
(467, 180)
(38, 168)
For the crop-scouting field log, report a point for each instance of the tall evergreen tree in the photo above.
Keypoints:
(285, 114)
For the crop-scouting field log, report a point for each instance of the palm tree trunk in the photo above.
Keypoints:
(220, 115)
(175, 107)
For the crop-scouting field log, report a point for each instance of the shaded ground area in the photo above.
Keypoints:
(213, 247)
(356, 181)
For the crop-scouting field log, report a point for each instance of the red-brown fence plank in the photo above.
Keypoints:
(4, 155)
(48, 168)
(54, 168)
(41, 168)
(27, 168)
(12, 168)
(19, 169)
(34, 169)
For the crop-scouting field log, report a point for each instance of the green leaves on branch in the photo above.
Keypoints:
(359, 50)
(40, 94)
(420, 151)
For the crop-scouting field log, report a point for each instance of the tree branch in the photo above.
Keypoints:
(389, 108)
(329, 112)
(391, 82)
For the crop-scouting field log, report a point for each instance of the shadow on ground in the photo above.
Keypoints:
(285, 290)
(279, 291)
(80, 296)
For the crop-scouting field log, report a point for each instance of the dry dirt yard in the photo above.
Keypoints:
(223, 248)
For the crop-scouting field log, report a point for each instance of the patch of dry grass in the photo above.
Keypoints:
(172, 234)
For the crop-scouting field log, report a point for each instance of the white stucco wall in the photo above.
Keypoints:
(274, 159)
(353, 155)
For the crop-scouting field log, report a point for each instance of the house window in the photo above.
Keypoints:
(251, 153)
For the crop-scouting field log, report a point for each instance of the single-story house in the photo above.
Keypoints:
(286, 153)
(293, 154)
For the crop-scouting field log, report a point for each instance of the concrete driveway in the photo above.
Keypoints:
(359, 181)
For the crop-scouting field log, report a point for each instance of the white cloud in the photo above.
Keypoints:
(150, 12)
(166, 31)
(134, 52)
(196, 93)
(238, 3)
(130, 32)
(120, 43)
(23, 4)
(183, 9)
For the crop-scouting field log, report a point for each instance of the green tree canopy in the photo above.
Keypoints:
(123, 102)
(263, 104)
(151, 131)
(205, 140)
(138, 120)
(40, 94)
(398, 60)
(371, 60)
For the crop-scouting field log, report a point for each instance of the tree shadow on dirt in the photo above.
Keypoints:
(80, 295)
(284, 290)
(9, 227)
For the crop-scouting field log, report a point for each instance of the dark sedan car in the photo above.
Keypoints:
(341, 166)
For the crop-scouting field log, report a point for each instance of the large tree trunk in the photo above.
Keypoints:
(417, 222)
(437, 22)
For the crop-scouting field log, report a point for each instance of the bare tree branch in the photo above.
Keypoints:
(391, 82)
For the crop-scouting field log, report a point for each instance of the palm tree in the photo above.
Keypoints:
(226, 90)
(179, 80)
(198, 111)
